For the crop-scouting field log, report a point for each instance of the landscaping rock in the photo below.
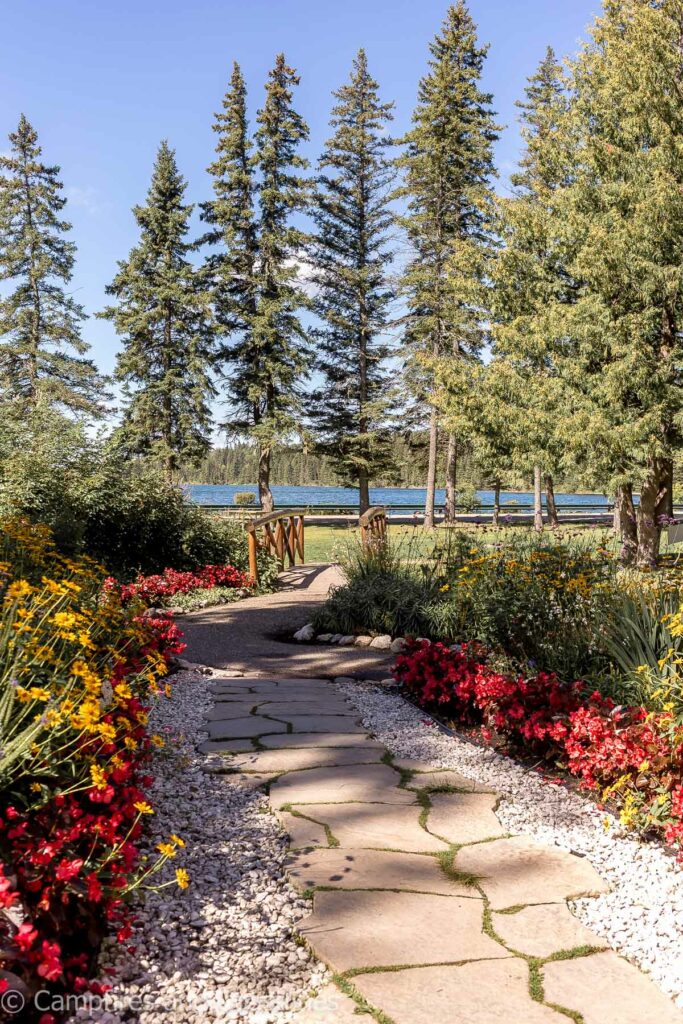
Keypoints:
(397, 645)
(347, 641)
(305, 634)
(324, 638)
(381, 643)
(330, 1007)
(363, 641)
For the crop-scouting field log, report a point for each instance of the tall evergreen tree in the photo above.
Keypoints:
(617, 223)
(528, 273)
(279, 338)
(41, 349)
(231, 266)
(254, 272)
(163, 315)
(448, 170)
(350, 253)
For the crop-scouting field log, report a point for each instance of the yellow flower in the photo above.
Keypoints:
(182, 878)
(445, 587)
(15, 591)
(177, 840)
(39, 693)
(35, 787)
(142, 807)
(157, 741)
(99, 779)
(167, 849)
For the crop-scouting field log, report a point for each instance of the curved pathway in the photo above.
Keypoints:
(424, 908)
(253, 635)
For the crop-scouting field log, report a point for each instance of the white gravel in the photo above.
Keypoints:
(224, 949)
(641, 918)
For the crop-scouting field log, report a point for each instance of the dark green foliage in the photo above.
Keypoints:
(163, 315)
(350, 254)
(41, 349)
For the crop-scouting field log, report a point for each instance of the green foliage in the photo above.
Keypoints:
(41, 349)
(163, 315)
(350, 255)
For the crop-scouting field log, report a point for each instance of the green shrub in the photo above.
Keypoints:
(244, 498)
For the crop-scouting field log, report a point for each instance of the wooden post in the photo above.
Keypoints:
(301, 538)
(253, 561)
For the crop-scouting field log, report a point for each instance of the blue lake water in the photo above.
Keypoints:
(394, 497)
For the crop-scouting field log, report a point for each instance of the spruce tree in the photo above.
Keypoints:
(163, 315)
(41, 349)
(350, 253)
(232, 262)
(253, 271)
(448, 169)
(280, 342)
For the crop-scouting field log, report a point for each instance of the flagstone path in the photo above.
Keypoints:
(422, 906)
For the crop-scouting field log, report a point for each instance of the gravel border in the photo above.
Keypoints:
(641, 918)
(225, 948)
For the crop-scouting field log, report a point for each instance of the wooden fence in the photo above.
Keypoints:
(280, 534)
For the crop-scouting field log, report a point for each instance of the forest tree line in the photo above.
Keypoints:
(536, 329)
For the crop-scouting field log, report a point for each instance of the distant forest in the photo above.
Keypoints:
(293, 466)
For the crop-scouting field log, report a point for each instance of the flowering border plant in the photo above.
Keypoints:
(630, 755)
(78, 673)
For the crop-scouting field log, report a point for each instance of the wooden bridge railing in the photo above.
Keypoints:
(280, 534)
(373, 526)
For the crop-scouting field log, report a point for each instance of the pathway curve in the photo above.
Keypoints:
(254, 635)
(424, 908)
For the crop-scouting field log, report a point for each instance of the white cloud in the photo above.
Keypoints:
(85, 198)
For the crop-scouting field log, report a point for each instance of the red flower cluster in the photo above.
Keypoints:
(636, 754)
(158, 588)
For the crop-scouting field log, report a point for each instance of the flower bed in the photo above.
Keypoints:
(627, 754)
(78, 672)
(160, 588)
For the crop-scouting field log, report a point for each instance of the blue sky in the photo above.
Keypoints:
(103, 81)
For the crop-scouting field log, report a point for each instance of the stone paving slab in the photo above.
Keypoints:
(517, 871)
(544, 930)
(343, 738)
(228, 746)
(229, 712)
(373, 869)
(297, 758)
(606, 989)
(360, 783)
(331, 1006)
(464, 817)
(488, 992)
(376, 826)
(429, 780)
(325, 723)
(241, 728)
(380, 929)
(302, 832)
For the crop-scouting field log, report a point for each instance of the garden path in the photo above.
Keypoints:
(426, 911)
(254, 635)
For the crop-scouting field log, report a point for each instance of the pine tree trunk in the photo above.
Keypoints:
(451, 478)
(538, 503)
(496, 504)
(363, 491)
(654, 500)
(431, 471)
(264, 492)
(550, 501)
(626, 523)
